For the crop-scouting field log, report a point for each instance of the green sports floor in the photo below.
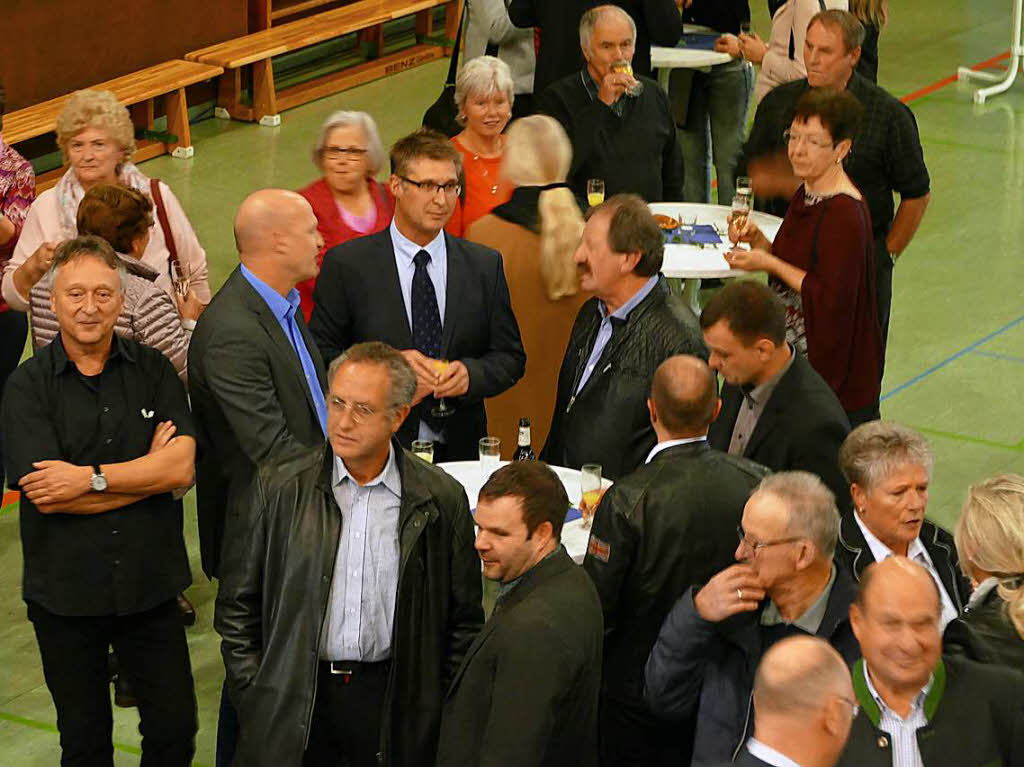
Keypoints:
(955, 367)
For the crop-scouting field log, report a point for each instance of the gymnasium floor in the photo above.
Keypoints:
(956, 356)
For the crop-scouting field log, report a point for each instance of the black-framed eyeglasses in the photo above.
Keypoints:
(347, 152)
(795, 138)
(450, 189)
(756, 545)
(361, 413)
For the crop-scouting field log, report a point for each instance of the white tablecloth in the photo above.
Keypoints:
(666, 59)
(574, 536)
(689, 261)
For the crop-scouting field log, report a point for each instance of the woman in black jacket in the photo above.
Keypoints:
(990, 542)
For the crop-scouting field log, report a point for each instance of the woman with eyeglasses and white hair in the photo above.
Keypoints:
(990, 541)
(484, 96)
(537, 231)
(347, 200)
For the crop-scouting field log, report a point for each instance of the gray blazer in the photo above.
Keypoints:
(487, 21)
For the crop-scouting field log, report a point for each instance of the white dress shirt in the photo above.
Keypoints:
(905, 752)
(672, 443)
(917, 552)
(769, 755)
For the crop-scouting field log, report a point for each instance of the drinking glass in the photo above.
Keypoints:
(441, 409)
(595, 191)
(741, 205)
(490, 453)
(181, 277)
(590, 490)
(423, 448)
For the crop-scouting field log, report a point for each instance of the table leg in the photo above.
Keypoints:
(1002, 82)
(691, 294)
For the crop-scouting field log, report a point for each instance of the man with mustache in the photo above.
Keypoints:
(619, 339)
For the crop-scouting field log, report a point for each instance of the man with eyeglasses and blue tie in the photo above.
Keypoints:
(351, 589)
(442, 300)
(784, 584)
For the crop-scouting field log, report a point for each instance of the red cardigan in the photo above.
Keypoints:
(844, 341)
(334, 230)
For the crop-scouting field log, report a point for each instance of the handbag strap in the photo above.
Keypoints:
(165, 225)
(453, 67)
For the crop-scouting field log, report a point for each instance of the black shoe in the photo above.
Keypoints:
(186, 611)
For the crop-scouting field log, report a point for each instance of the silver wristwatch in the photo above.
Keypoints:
(99, 479)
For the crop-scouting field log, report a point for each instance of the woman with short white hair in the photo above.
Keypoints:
(483, 96)
(97, 139)
(347, 199)
(990, 541)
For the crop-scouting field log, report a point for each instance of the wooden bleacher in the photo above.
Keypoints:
(135, 91)
(365, 18)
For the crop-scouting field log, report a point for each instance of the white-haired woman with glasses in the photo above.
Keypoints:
(484, 96)
(347, 200)
(990, 541)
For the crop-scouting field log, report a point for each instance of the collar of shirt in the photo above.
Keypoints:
(769, 755)
(982, 591)
(672, 443)
(592, 88)
(388, 477)
(62, 363)
(915, 706)
(505, 588)
(406, 249)
(622, 313)
(282, 307)
(810, 620)
(760, 393)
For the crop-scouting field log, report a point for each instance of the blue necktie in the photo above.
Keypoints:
(426, 326)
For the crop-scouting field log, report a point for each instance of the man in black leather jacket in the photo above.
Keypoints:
(352, 661)
(668, 525)
(620, 336)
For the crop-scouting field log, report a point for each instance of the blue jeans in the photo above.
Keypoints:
(716, 119)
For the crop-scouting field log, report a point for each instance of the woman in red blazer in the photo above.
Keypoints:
(347, 200)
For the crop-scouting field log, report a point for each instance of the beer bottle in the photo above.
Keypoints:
(524, 452)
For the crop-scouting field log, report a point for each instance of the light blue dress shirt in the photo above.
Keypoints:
(437, 270)
(604, 332)
(361, 609)
(283, 308)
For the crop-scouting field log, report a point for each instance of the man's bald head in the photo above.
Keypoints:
(898, 578)
(799, 674)
(262, 214)
(684, 392)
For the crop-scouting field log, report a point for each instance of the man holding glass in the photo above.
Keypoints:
(442, 300)
(351, 590)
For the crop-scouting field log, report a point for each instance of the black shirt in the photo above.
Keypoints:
(886, 157)
(721, 15)
(632, 147)
(118, 562)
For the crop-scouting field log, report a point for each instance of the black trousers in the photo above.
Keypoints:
(630, 736)
(152, 652)
(13, 329)
(347, 716)
(883, 286)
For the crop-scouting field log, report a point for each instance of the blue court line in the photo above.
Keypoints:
(998, 356)
(966, 350)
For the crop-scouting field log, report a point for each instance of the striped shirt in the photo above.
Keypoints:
(905, 752)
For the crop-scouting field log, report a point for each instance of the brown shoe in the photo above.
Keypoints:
(186, 610)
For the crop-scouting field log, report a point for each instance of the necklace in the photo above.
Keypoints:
(485, 173)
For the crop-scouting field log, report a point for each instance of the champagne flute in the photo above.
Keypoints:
(590, 490)
(741, 205)
(595, 191)
(441, 410)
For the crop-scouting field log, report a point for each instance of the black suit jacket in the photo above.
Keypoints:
(358, 298)
(801, 428)
(559, 23)
(527, 691)
(250, 401)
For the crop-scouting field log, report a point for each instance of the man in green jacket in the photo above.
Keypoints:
(918, 708)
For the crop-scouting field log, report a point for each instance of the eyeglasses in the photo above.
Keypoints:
(360, 413)
(451, 189)
(795, 138)
(756, 546)
(854, 706)
(346, 152)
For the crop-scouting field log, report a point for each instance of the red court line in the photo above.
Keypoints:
(952, 79)
(9, 498)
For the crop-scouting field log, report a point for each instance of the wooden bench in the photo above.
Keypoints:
(365, 18)
(135, 91)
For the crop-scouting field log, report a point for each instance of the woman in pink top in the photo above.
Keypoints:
(347, 201)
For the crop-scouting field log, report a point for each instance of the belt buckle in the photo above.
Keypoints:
(337, 669)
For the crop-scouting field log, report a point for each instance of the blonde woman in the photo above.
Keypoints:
(97, 139)
(990, 542)
(874, 15)
(537, 231)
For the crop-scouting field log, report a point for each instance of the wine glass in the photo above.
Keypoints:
(590, 490)
(441, 409)
(595, 191)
